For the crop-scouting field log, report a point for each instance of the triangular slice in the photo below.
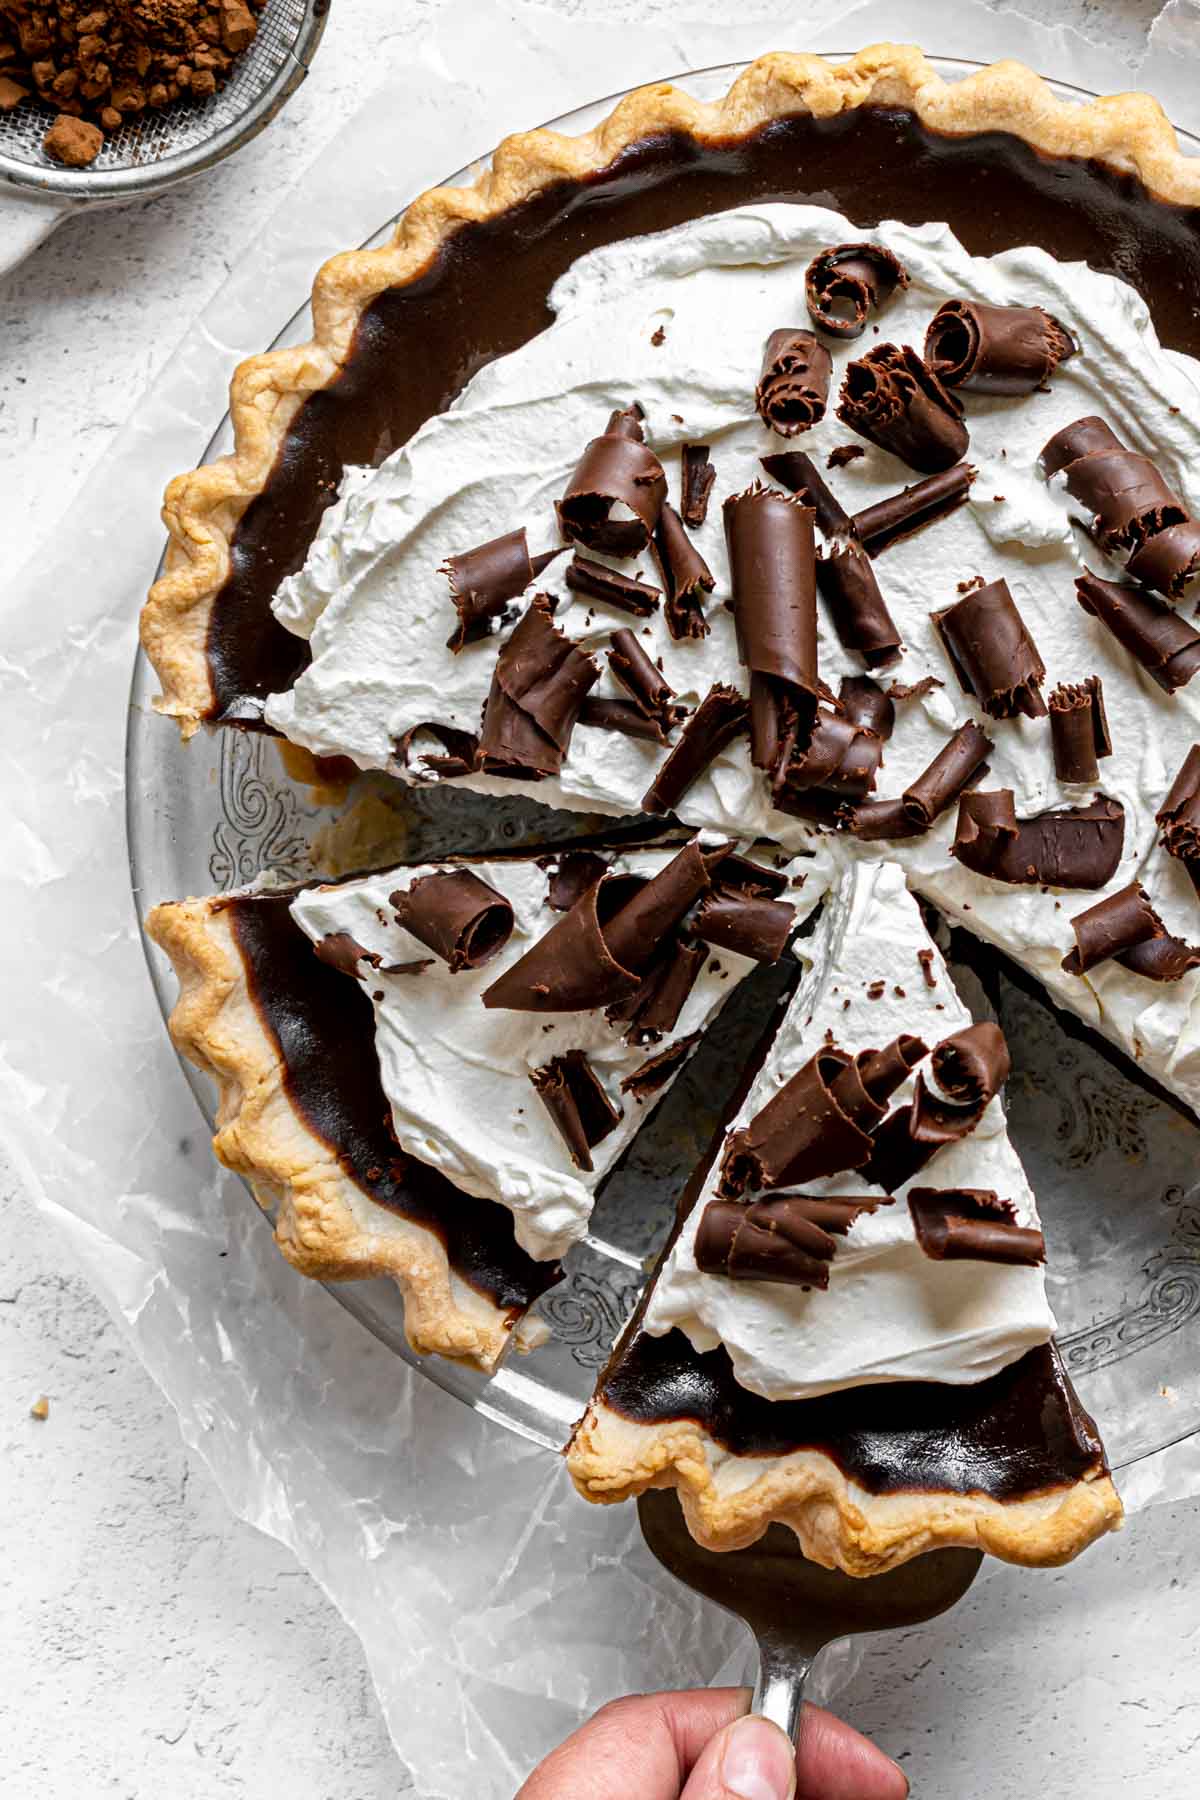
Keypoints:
(396, 1124)
(912, 1402)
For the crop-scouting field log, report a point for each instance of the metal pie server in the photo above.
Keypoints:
(793, 1606)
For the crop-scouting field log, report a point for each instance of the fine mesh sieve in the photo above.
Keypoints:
(159, 148)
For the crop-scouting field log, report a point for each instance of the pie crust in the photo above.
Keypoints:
(201, 509)
(325, 1224)
(729, 1501)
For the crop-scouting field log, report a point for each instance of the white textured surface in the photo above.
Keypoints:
(152, 1645)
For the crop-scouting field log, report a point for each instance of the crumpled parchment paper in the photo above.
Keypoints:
(495, 1608)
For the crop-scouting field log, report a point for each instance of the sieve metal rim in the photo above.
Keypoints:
(96, 186)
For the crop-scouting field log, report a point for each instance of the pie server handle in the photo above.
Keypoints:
(784, 1662)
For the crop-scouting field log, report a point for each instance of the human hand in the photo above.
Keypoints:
(703, 1746)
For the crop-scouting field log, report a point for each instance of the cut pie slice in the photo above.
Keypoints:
(403, 1082)
(849, 1331)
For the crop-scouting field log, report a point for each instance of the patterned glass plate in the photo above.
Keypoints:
(1112, 1163)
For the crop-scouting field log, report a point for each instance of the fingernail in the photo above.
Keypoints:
(757, 1762)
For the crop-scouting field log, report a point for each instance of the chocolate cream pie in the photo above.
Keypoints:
(812, 469)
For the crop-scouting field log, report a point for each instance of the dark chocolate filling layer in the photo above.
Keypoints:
(484, 294)
(324, 1028)
(1018, 1433)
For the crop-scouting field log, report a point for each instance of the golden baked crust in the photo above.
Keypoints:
(325, 1224)
(201, 509)
(729, 1501)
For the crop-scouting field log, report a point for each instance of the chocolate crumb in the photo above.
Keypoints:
(658, 337)
(876, 990)
(841, 454)
(925, 958)
(899, 993)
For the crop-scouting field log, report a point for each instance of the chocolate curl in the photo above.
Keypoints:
(344, 953)
(789, 1240)
(570, 876)
(923, 503)
(656, 1071)
(718, 719)
(841, 758)
(686, 577)
(993, 654)
(972, 1065)
(1163, 958)
(538, 687)
(644, 681)
(578, 1104)
(484, 580)
(772, 567)
(457, 916)
(1124, 925)
(996, 349)
(845, 283)
(1129, 507)
(460, 753)
(794, 385)
(616, 470)
(850, 589)
(623, 716)
(653, 1009)
(864, 703)
(799, 474)
(1179, 816)
(1156, 637)
(696, 477)
(972, 1224)
(883, 1071)
(802, 1133)
(736, 874)
(874, 821)
(1069, 847)
(754, 927)
(596, 582)
(890, 397)
(597, 953)
(914, 1133)
(959, 762)
(1079, 729)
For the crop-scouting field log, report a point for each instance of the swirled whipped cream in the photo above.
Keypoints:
(678, 321)
(457, 1074)
(889, 1313)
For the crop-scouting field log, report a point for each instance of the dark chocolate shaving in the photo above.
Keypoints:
(960, 761)
(483, 582)
(799, 475)
(624, 716)
(772, 566)
(752, 926)
(596, 582)
(892, 398)
(653, 1008)
(597, 953)
(1167, 648)
(460, 753)
(656, 1071)
(972, 1224)
(789, 1240)
(576, 1101)
(1079, 729)
(344, 953)
(914, 507)
(1126, 504)
(801, 1134)
(844, 284)
(840, 758)
(794, 385)
(736, 874)
(913, 690)
(883, 1071)
(972, 1065)
(617, 469)
(996, 349)
(914, 1133)
(850, 589)
(864, 703)
(1178, 818)
(538, 687)
(644, 681)
(571, 875)
(686, 577)
(841, 454)
(696, 479)
(993, 654)
(457, 916)
(1126, 927)
(718, 719)
(1066, 847)
(877, 820)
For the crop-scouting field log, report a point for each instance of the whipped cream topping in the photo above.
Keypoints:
(889, 1313)
(457, 1073)
(378, 612)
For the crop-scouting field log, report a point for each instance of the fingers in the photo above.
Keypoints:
(838, 1763)
(751, 1759)
(641, 1747)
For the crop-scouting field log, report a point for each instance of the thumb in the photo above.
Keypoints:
(750, 1760)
